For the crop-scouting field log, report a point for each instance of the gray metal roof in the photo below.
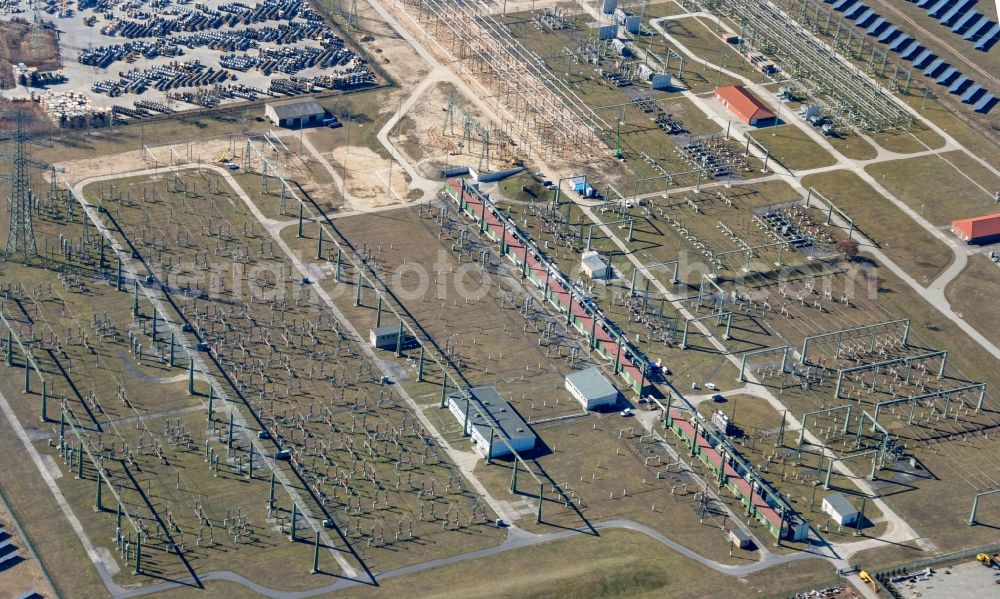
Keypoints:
(840, 505)
(740, 534)
(510, 424)
(594, 262)
(296, 108)
(389, 329)
(591, 383)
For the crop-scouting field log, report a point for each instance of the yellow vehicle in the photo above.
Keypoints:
(989, 560)
(866, 578)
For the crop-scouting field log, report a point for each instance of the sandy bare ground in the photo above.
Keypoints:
(426, 140)
(206, 150)
(367, 172)
(394, 54)
(487, 88)
(368, 177)
(300, 169)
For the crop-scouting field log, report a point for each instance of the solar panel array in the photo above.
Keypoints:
(956, 14)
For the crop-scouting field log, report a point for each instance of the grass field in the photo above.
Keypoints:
(934, 330)
(664, 8)
(912, 247)
(701, 38)
(618, 563)
(916, 139)
(793, 148)
(513, 188)
(943, 188)
(953, 125)
(604, 566)
(980, 279)
(853, 146)
(41, 520)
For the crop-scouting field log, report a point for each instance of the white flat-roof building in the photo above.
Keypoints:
(509, 424)
(591, 389)
(840, 509)
(295, 114)
(594, 266)
(387, 337)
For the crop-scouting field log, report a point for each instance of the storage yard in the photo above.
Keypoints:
(324, 300)
(123, 61)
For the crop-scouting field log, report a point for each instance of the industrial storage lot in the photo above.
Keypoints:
(140, 60)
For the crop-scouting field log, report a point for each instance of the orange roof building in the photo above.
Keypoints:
(978, 229)
(743, 104)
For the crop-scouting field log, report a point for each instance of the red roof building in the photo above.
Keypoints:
(743, 104)
(980, 228)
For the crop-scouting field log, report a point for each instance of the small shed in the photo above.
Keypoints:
(295, 114)
(740, 538)
(387, 337)
(594, 266)
(591, 388)
(840, 509)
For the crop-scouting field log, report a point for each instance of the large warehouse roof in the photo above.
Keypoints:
(744, 104)
(977, 228)
(296, 108)
(511, 425)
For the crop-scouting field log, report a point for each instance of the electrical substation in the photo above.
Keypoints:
(312, 298)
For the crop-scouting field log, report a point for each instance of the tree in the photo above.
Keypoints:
(848, 247)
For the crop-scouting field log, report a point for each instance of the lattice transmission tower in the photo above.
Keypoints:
(36, 28)
(21, 232)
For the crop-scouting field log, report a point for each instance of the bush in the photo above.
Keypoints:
(849, 248)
